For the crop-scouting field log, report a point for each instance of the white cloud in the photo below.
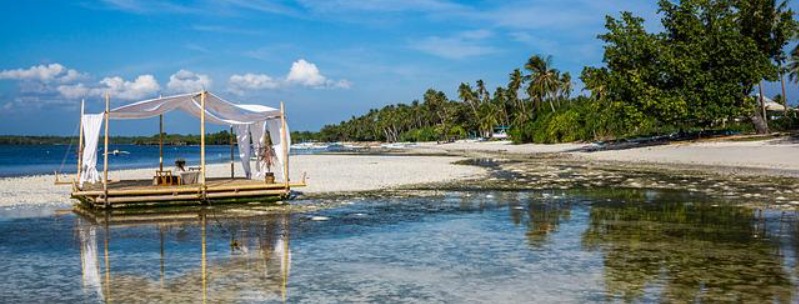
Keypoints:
(54, 72)
(301, 73)
(238, 84)
(460, 46)
(342, 84)
(185, 81)
(142, 87)
(305, 73)
(73, 91)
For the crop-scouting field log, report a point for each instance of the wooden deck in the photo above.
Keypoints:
(142, 193)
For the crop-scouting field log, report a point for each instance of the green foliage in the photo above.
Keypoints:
(423, 134)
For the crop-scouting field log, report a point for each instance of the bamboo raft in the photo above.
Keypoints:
(141, 193)
(108, 194)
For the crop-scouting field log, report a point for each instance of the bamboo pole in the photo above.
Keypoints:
(80, 140)
(202, 141)
(161, 142)
(232, 168)
(284, 145)
(105, 155)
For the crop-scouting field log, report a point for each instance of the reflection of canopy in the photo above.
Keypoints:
(251, 122)
(217, 110)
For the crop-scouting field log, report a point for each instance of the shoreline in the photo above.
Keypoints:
(768, 158)
(326, 175)
(430, 165)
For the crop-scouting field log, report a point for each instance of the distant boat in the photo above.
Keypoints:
(309, 146)
(397, 145)
(500, 135)
(337, 147)
(117, 152)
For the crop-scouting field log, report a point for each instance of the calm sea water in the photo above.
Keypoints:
(509, 247)
(44, 159)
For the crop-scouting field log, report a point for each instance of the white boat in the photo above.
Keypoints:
(309, 146)
(402, 145)
(500, 135)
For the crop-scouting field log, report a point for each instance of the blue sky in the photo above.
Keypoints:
(327, 59)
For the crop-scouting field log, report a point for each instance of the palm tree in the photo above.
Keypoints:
(544, 80)
(514, 84)
(770, 24)
(793, 67)
(565, 85)
(467, 96)
(500, 102)
(482, 92)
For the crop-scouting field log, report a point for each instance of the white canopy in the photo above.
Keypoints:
(217, 110)
(251, 121)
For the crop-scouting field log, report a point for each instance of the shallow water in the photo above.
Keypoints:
(501, 247)
(23, 160)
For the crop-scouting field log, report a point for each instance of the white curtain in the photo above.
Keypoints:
(243, 138)
(257, 131)
(273, 126)
(91, 135)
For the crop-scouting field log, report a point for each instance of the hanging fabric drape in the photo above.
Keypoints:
(251, 138)
(274, 126)
(257, 132)
(243, 138)
(92, 123)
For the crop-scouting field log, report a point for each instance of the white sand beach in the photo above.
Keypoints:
(352, 173)
(776, 154)
(325, 174)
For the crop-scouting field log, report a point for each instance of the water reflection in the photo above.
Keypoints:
(118, 254)
(672, 250)
(506, 247)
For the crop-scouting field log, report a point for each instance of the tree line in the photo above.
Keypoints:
(698, 73)
(218, 138)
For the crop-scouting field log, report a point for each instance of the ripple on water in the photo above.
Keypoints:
(584, 245)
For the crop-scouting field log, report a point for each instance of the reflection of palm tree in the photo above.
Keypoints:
(697, 251)
(544, 219)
